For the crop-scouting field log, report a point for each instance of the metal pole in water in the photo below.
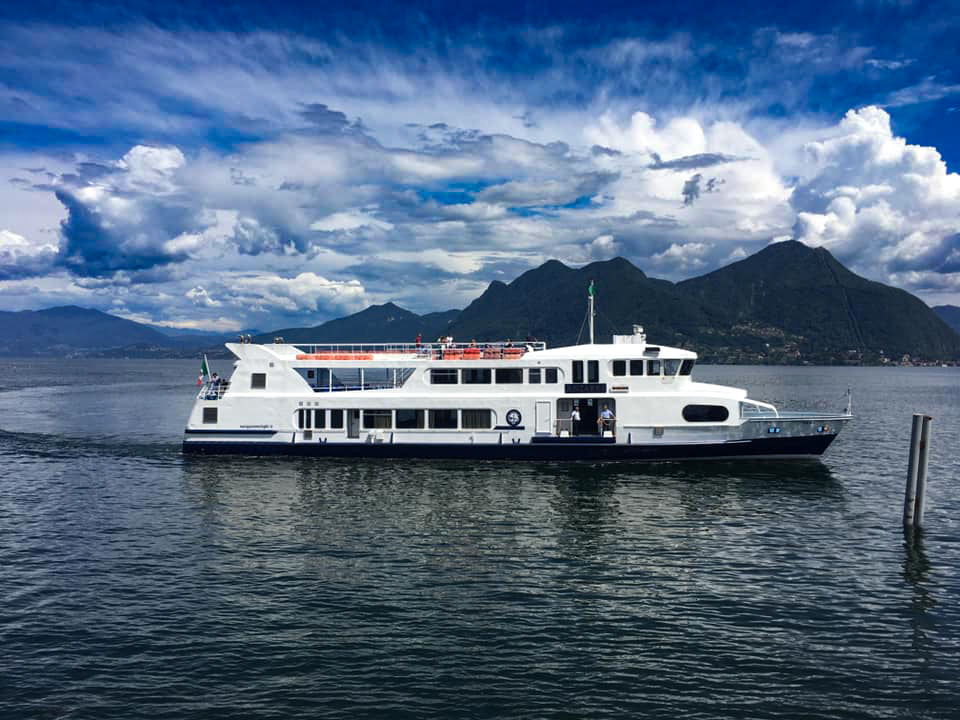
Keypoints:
(910, 495)
(921, 503)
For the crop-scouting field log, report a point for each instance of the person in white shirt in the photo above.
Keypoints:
(575, 420)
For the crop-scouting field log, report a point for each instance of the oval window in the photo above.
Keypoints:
(705, 413)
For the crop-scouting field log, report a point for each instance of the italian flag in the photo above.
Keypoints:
(204, 370)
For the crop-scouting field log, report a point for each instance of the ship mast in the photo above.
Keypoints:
(591, 312)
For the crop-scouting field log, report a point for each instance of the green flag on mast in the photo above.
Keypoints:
(590, 289)
(204, 368)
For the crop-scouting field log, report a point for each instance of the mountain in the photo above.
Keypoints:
(548, 303)
(378, 323)
(74, 331)
(786, 303)
(950, 314)
(803, 300)
(69, 330)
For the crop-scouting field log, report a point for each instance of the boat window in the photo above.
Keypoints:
(258, 381)
(307, 418)
(551, 376)
(533, 376)
(686, 367)
(443, 419)
(476, 419)
(619, 367)
(670, 367)
(509, 376)
(705, 413)
(320, 419)
(377, 419)
(476, 376)
(653, 367)
(443, 376)
(578, 371)
(593, 371)
(410, 419)
(210, 416)
(636, 367)
(336, 419)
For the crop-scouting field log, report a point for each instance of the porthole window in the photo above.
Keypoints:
(258, 381)
(210, 416)
(705, 413)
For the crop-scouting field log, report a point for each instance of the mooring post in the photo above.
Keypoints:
(910, 496)
(914, 499)
(921, 504)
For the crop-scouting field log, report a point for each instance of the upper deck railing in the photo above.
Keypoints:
(213, 389)
(419, 351)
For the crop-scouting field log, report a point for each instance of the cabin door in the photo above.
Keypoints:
(544, 421)
(353, 423)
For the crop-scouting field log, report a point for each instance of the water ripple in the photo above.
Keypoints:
(136, 582)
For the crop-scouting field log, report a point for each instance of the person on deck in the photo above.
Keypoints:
(606, 420)
(575, 420)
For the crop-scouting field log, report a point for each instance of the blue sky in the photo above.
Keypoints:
(268, 165)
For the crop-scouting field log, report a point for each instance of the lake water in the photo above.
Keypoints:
(136, 582)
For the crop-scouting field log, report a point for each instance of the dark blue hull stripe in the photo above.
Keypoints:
(211, 431)
(760, 447)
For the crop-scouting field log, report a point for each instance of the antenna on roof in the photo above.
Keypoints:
(591, 311)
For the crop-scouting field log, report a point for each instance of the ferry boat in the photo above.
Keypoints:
(627, 400)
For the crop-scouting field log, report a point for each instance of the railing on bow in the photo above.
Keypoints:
(213, 389)
(427, 351)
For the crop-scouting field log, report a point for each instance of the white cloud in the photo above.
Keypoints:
(306, 292)
(349, 220)
(421, 180)
(151, 168)
(876, 200)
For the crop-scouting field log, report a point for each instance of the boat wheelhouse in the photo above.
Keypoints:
(629, 400)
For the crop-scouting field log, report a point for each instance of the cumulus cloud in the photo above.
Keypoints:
(876, 200)
(306, 292)
(361, 174)
(21, 258)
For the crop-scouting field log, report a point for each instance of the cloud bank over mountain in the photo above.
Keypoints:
(230, 179)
